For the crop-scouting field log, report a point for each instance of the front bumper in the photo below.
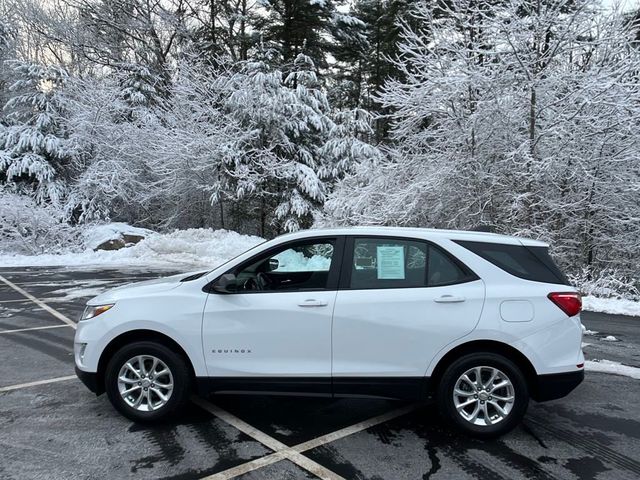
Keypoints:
(90, 380)
(556, 385)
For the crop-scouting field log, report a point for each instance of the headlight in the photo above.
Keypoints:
(94, 310)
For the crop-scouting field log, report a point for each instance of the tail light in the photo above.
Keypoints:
(569, 302)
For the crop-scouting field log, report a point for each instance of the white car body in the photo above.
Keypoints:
(385, 342)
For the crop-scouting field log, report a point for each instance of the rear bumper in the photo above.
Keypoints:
(90, 380)
(556, 385)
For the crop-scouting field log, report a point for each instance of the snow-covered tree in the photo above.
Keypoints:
(224, 27)
(34, 152)
(279, 161)
(345, 148)
(7, 52)
(310, 27)
(519, 115)
(237, 146)
(364, 66)
(159, 168)
(140, 88)
(294, 150)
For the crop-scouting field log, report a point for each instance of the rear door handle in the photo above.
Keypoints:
(449, 299)
(313, 303)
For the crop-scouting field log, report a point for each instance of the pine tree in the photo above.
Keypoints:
(34, 153)
(7, 37)
(364, 67)
(225, 28)
(311, 27)
(141, 90)
(293, 150)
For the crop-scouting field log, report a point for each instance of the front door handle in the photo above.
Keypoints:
(311, 302)
(449, 299)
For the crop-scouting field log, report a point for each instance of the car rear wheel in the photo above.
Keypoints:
(484, 394)
(146, 381)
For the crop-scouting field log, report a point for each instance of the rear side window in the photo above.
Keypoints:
(443, 270)
(397, 263)
(530, 263)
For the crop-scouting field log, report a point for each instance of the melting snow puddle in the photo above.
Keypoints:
(76, 289)
(7, 312)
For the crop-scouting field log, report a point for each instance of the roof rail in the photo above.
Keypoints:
(483, 228)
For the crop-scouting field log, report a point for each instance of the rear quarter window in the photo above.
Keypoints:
(530, 263)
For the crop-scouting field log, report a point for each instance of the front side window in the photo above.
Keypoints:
(303, 266)
(392, 263)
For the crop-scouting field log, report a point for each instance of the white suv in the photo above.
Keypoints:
(481, 322)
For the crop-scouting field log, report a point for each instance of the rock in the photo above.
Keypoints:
(131, 239)
(113, 244)
(113, 236)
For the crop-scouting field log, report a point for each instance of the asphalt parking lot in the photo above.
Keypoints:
(51, 426)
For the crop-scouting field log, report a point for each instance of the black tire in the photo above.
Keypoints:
(176, 364)
(446, 402)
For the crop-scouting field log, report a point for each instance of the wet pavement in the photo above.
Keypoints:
(60, 430)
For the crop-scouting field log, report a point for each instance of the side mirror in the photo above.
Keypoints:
(273, 264)
(226, 284)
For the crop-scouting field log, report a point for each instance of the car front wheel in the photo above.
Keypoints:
(484, 394)
(146, 381)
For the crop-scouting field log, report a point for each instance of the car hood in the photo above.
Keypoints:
(139, 289)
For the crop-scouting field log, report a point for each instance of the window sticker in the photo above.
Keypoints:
(390, 263)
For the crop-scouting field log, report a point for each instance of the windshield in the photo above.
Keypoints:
(236, 256)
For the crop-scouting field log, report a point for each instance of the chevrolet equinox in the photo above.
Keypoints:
(480, 322)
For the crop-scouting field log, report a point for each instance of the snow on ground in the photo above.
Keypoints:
(609, 338)
(68, 294)
(614, 306)
(608, 366)
(197, 247)
(587, 332)
(292, 261)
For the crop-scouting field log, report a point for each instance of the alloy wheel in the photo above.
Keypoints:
(483, 396)
(145, 383)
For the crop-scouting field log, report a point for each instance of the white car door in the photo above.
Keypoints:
(400, 302)
(272, 331)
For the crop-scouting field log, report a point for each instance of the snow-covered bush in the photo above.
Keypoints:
(608, 283)
(27, 227)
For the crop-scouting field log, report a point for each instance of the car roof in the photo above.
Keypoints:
(426, 233)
